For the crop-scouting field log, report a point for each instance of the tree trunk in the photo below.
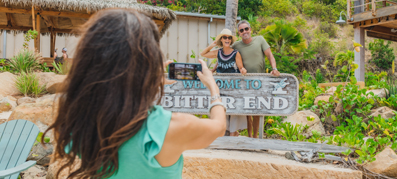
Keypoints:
(231, 15)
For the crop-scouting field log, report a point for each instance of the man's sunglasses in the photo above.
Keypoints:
(246, 29)
(227, 37)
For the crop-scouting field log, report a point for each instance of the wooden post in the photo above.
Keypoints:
(37, 41)
(367, 6)
(261, 126)
(384, 3)
(52, 42)
(33, 20)
(359, 57)
(349, 13)
(373, 8)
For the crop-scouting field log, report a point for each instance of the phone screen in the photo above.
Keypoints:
(184, 71)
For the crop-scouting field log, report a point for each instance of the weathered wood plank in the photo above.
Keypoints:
(381, 12)
(244, 143)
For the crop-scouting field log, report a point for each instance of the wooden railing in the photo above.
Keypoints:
(369, 5)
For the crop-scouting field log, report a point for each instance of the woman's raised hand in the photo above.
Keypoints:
(207, 79)
(213, 44)
(166, 80)
(243, 71)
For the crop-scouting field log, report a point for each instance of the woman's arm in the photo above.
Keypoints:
(187, 131)
(240, 65)
(214, 69)
(210, 54)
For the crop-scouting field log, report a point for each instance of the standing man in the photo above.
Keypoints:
(253, 51)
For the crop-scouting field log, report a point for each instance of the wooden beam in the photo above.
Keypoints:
(37, 44)
(382, 12)
(33, 20)
(25, 28)
(381, 36)
(381, 30)
(377, 21)
(48, 20)
(10, 20)
(65, 14)
(45, 13)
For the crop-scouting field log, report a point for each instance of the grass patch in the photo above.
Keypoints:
(28, 84)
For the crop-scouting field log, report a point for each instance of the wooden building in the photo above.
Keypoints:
(60, 17)
(376, 18)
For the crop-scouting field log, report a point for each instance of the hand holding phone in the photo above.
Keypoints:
(184, 71)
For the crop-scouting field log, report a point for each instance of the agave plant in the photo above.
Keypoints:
(25, 61)
(283, 37)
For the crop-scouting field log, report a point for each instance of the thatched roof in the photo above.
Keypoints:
(66, 15)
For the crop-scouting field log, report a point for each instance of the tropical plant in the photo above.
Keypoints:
(283, 38)
(346, 60)
(60, 68)
(31, 34)
(290, 132)
(382, 54)
(28, 84)
(25, 61)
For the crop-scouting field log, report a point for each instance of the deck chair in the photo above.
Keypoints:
(16, 140)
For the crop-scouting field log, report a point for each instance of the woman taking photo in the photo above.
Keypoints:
(229, 61)
(109, 114)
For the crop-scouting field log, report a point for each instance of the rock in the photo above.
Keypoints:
(378, 92)
(35, 172)
(41, 154)
(7, 104)
(300, 117)
(41, 113)
(237, 164)
(321, 98)
(56, 165)
(26, 100)
(331, 90)
(7, 87)
(45, 77)
(55, 83)
(384, 112)
(339, 108)
(385, 163)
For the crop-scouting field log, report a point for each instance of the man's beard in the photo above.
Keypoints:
(245, 36)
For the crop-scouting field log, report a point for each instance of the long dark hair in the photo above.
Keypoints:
(115, 79)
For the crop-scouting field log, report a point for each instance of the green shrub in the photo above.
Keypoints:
(322, 45)
(28, 84)
(330, 29)
(281, 8)
(25, 61)
(382, 54)
(62, 69)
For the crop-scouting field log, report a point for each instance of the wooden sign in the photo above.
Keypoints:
(256, 94)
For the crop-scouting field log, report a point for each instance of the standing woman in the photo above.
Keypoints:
(109, 113)
(229, 61)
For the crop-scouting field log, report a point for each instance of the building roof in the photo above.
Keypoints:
(66, 15)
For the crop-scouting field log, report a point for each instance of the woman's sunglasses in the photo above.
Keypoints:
(246, 29)
(227, 37)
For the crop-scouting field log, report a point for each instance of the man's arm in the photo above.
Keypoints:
(272, 61)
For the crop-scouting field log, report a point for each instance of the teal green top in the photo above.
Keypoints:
(136, 155)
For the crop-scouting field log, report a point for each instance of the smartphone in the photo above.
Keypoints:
(183, 71)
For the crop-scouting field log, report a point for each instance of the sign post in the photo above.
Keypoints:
(255, 94)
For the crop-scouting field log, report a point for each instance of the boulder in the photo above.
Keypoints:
(41, 154)
(385, 163)
(7, 87)
(35, 172)
(7, 104)
(40, 113)
(384, 112)
(378, 92)
(300, 117)
(55, 83)
(26, 100)
(57, 164)
(321, 98)
(331, 90)
(45, 77)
